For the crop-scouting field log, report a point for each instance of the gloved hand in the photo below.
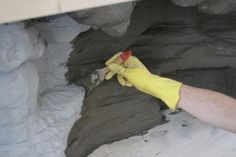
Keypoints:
(133, 72)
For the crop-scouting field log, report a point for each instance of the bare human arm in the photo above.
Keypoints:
(211, 107)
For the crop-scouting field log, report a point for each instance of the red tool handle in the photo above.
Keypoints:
(125, 55)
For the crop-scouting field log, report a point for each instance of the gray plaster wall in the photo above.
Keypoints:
(209, 6)
(115, 19)
(179, 42)
(112, 19)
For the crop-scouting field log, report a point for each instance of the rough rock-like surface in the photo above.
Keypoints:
(209, 6)
(111, 113)
(187, 3)
(167, 38)
(217, 79)
(112, 19)
(115, 19)
(218, 6)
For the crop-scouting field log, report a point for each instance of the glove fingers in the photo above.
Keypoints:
(128, 84)
(109, 61)
(109, 75)
(123, 81)
(134, 62)
(116, 68)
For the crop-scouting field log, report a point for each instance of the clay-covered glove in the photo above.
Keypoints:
(133, 72)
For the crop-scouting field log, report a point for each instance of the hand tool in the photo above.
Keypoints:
(95, 78)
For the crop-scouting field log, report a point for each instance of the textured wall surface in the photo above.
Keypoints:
(209, 6)
(112, 19)
(167, 38)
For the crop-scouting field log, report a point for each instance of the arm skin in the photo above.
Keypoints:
(211, 107)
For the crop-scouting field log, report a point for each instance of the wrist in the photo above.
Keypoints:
(167, 90)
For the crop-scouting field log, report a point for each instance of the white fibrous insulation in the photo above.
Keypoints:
(37, 107)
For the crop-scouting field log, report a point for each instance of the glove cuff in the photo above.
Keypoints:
(167, 90)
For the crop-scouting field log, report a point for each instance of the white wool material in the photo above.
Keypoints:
(37, 108)
(18, 45)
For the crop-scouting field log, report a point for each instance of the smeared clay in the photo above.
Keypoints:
(167, 38)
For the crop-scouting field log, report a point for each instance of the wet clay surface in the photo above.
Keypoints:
(167, 38)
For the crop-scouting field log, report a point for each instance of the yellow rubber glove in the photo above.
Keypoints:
(133, 72)
(110, 74)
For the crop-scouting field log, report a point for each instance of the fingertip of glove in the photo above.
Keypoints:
(122, 83)
(109, 75)
(107, 78)
(109, 61)
(128, 85)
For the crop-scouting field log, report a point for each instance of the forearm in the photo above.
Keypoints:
(211, 107)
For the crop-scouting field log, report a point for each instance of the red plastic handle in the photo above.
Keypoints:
(125, 55)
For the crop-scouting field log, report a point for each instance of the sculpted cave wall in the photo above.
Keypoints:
(182, 40)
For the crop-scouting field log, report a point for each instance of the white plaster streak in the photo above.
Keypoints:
(94, 77)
